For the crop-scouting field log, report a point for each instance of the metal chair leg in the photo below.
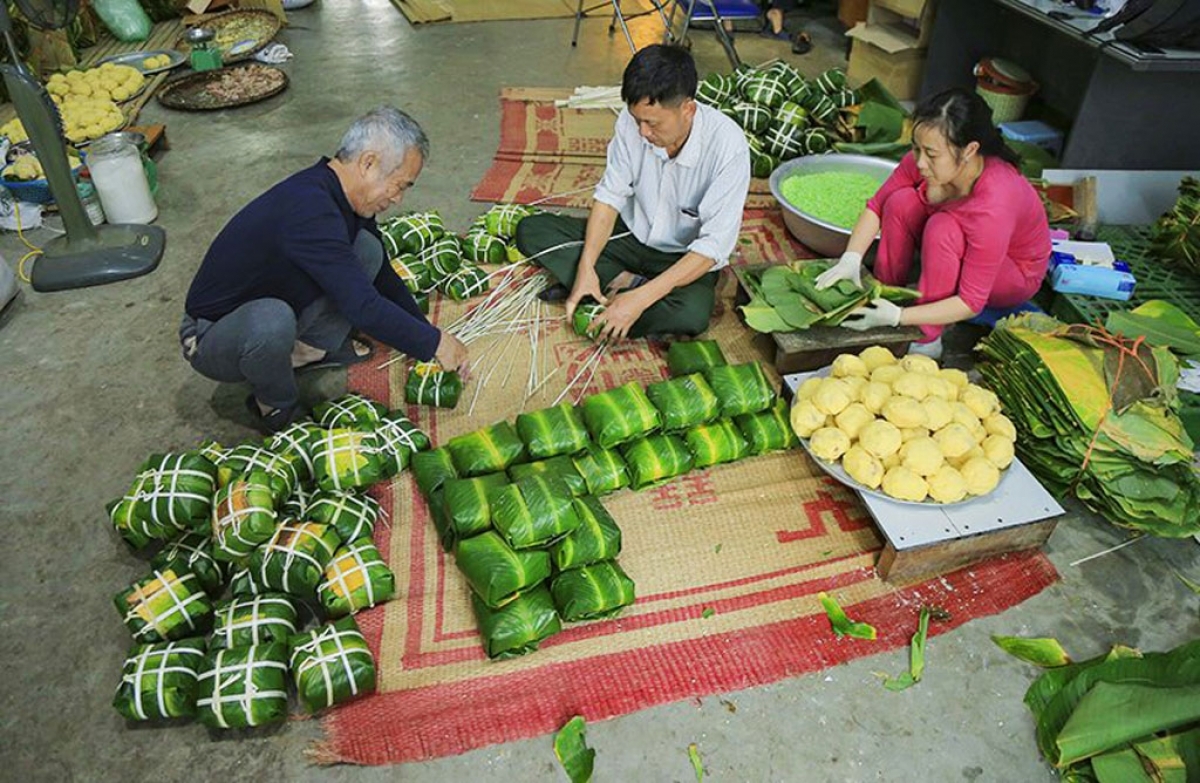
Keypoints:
(578, 21)
(723, 37)
(619, 17)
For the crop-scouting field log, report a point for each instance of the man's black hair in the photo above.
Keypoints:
(661, 74)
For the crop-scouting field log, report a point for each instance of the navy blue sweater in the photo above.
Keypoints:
(296, 243)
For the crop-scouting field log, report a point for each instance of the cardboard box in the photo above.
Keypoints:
(879, 53)
(905, 19)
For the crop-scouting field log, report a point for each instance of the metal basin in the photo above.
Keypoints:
(824, 238)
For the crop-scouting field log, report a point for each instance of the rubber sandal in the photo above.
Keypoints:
(767, 32)
(801, 43)
(344, 356)
(275, 421)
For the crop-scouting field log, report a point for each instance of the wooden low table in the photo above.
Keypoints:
(925, 541)
(818, 346)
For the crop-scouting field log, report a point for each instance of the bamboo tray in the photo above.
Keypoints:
(190, 93)
(236, 49)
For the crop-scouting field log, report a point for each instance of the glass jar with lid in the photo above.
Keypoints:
(115, 163)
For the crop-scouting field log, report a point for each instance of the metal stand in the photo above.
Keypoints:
(620, 18)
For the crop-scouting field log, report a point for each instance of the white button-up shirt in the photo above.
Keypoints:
(692, 202)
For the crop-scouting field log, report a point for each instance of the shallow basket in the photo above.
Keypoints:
(34, 191)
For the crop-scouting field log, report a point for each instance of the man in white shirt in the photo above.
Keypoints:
(666, 214)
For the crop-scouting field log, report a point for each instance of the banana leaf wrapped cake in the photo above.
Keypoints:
(296, 506)
(592, 592)
(294, 560)
(741, 388)
(349, 410)
(429, 384)
(348, 459)
(584, 321)
(469, 281)
(561, 468)
(482, 248)
(240, 687)
(332, 665)
(193, 552)
(259, 619)
(519, 626)
(411, 233)
(126, 519)
(533, 512)
(552, 432)
(165, 605)
(418, 276)
(432, 469)
(497, 572)
(467, 509)
(487, 450)
(296, 441)
(351, 516)
(502, 219)
(356, 579)
(603, 470)
(243, 516)
(171, 493)
(716, 443)
(401, 438)
(684, 402)
(620, 415)
(444, 256)
(159, 681)
(282, 470)
(656, 459)
(245, 584)
(768, 431)
(597, 537)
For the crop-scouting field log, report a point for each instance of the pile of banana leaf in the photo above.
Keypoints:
(1124, 717)
(785, 298)
(1097, 417)
(1176, 235)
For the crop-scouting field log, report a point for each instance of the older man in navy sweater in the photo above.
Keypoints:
(291, 274)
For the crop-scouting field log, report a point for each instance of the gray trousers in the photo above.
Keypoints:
(253, 344)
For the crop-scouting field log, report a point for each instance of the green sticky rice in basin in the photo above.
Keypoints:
(836, 197)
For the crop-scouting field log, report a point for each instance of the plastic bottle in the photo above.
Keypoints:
(116, 167)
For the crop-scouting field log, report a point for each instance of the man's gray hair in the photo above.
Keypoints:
(387, 131)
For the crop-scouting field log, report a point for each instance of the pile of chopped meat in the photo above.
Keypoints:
(240, 84)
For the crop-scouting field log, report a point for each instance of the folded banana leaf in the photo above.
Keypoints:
(243, 516)
(357, 578)
(126, 519)
(502, 219)
(332, 665)
(519, 626)
(768, 431)
(466, 506)
(296, 441)
(429, 384)
(554, 431)
(241, 687)
(417, 275)
(741, 388)
(193, 552)
(562, 468)
(244, 583)
(488, 450)
(432, 469)
(411, 233)
(619, 415)
(603, 470)
(211, 451)
(165, 605)
(584, 321)
(467, 282)
(259, 619)
(351, 516)
(482, 248)
(495, 571)
(444, 256)
(655, 460)
(684, 402)
(159, 680)
(282, 470)
(592, 592)
(685, 358)
(348, 459)
(715, 444)
(178, 493)
(597, 537)
(294, 560)
(349, 410)
(533, 512)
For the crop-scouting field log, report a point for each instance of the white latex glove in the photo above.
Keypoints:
(879, 312)
(848, 267)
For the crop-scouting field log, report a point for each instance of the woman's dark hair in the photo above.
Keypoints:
(661, 74)
(963, 117)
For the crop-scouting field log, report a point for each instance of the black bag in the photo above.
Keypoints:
(1162, 24)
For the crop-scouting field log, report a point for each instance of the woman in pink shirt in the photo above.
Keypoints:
(980, 226)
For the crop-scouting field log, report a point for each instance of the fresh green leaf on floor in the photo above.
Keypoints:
(843, 625)
(708, 612)
(570, 746)
(1046, 653)
(1193, 586)
(697, 763)
(916, 657)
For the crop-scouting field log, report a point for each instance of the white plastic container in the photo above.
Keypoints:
(120, 179)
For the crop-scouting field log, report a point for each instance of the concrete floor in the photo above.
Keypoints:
(93, 382)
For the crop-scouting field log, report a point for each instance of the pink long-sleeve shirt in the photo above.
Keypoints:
(1003, 217)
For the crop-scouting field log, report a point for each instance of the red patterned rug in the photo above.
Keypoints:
(555, 156)
(727, 561)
